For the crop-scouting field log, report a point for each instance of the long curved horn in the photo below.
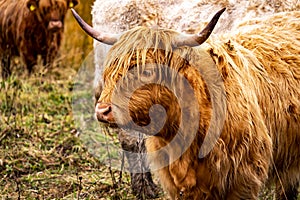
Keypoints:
(105, 38)
(198, 39)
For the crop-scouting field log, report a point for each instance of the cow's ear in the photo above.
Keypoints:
(32, 5)
(72, 3)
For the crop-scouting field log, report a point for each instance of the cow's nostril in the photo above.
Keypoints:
(108, 110)
(104, 112)
(55, 25)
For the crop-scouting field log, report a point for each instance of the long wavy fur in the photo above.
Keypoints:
(260, 66)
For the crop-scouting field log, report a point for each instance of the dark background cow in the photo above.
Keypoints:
(29, 28)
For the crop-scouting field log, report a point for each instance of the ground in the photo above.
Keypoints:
(41, 157)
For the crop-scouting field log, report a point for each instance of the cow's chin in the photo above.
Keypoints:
(141, 125)
(109, 124)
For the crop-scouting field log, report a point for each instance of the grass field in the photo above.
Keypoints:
(41, 155)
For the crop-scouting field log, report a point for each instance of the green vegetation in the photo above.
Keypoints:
(41, 155)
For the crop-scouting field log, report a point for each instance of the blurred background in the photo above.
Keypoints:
(77, 45)
(41, 155)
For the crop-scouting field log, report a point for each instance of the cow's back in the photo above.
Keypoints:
(265, 70)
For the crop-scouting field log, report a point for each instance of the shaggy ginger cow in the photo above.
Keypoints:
(259, 120)
(29, 28)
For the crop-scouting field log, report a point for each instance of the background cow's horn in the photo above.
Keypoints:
(101, 37)
(197, 39)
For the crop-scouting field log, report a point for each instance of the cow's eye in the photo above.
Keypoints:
(148, 75)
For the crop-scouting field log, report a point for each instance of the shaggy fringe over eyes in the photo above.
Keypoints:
(52, 4)
(134, 47)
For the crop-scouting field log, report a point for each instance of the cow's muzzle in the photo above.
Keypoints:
(104, 112)
(55, 25)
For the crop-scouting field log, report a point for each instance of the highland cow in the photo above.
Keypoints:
(29, 28)
(247, 103)
(176, 14)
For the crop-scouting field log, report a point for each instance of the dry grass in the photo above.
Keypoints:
(41, 156)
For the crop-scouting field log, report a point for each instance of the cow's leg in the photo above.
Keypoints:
(289, 192)
(49, 57)
(246, 184)
(143, 186)
(51, 52)
(30, 62)
(141, 180)
(29, 67)
(6, 68)
(287, 179)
